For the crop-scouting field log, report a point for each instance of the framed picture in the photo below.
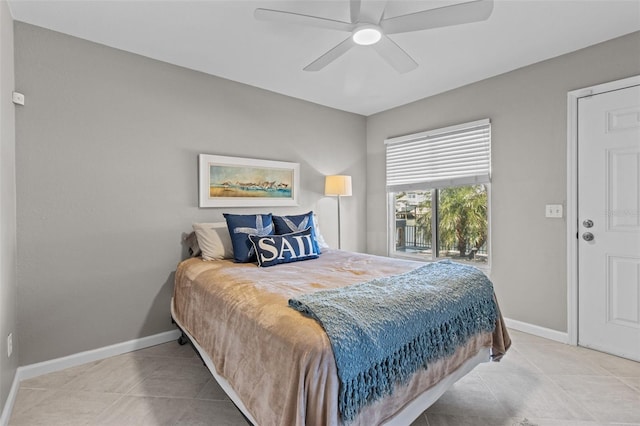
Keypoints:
(245, 182)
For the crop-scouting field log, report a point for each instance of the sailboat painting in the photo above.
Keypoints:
(243, 182)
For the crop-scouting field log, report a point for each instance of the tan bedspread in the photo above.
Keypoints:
(279, 362)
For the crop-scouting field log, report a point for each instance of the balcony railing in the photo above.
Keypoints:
(412, 238)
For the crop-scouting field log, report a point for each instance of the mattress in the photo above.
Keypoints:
(279, 364)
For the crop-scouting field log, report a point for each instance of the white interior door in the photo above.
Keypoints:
(609, 222)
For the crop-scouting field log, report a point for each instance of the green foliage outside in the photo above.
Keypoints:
(462, 216)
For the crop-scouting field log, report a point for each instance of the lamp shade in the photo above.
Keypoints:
(337, 185)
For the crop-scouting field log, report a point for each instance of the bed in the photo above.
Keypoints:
(277, 364)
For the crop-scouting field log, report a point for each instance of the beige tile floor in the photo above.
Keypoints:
(538, 383)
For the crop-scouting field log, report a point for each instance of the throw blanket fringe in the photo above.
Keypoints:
(384, 330)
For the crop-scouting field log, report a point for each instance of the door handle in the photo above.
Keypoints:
(588, 236)
(587, 223)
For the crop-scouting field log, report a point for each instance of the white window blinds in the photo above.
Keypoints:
(452, 156)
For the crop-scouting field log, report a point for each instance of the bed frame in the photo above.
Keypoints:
(404, 417)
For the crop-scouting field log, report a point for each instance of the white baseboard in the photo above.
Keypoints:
(11, 399)
(536, 330)
(45, 367)
(40, 368)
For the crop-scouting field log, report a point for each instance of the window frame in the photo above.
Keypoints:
(391, 202)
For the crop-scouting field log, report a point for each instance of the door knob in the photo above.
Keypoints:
(587, 223)
(587, 236)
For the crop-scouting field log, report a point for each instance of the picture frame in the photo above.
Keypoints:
(246, 182)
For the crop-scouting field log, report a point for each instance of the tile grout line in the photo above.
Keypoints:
(486, 385)
(637, 391)
(533, 364)
(553, 382)
(580, 404)
(425, 416)
(95, 419)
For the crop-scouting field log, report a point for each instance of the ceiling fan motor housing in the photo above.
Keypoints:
(367, 34)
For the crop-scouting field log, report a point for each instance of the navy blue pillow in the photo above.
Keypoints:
(274, 249)
(240, 227)
(288, 224)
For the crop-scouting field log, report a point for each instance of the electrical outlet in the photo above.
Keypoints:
(553, 210)
(17, 98)
(9, 345)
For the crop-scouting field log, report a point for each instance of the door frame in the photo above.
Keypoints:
(572, 194)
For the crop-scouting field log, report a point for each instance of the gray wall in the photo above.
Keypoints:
(527, 108)
(8, 282)
(107, 149)
(107, 175)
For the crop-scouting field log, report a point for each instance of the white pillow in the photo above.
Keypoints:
(214, 240)
(319, 238)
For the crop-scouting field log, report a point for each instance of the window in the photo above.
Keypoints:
(438, 190)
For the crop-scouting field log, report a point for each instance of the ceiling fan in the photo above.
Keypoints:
(369, 27)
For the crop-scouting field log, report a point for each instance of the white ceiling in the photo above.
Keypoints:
(223, 38)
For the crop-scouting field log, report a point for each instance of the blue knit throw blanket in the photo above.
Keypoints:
(384, 330)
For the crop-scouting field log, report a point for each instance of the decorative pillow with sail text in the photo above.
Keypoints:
(240, 227)
(275, 249)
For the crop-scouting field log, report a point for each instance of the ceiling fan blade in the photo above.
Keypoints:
(394, 55)
(297, 18)
(462, 13)
(331, 55)
(372, 11)
(354, 9)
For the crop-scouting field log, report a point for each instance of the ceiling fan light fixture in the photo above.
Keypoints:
(367, 35)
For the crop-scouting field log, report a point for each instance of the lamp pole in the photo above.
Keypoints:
(339, 233)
